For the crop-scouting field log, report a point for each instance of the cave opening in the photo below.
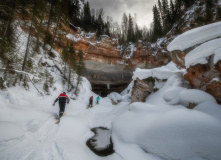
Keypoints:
(104, 89)
(104, 82)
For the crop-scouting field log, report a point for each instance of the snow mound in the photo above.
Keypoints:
(199, 55)
(195, 36)
(115, 97)
(163, 72)
(10, 131)
(210, 108)
(184, 134)
(184, 96)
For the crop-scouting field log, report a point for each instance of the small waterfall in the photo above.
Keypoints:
(108, 86)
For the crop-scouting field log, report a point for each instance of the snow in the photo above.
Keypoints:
(130, 50)
(163, 72)
(156, 129)
(170, 131)
(199, 55)
(161, 128)
(74, 38)
(217, 56)
(10, 131)
(195, 36)
(101, 140)
(114, 96)
(185, 96)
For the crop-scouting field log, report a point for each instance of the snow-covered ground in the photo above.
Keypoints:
(161, 128)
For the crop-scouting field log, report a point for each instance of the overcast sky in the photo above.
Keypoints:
(116, 8)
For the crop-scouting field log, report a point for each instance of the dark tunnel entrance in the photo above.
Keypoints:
(106, 82)
(104, 89)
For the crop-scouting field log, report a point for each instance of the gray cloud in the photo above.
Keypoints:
(116, 8)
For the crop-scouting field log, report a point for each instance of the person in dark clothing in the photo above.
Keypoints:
(91, 101)
(62, 98)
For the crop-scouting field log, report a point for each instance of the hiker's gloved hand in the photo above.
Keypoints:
(53, 104)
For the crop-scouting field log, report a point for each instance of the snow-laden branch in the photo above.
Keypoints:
(29, 75)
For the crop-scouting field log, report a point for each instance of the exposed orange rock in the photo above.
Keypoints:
(202, 77)
(218, 66)
(214, 89)
(142, 89)
(197, 75)
(178, 57)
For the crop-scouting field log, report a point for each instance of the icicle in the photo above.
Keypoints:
(108, 86)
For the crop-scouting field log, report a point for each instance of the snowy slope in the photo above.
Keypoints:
(161, 128)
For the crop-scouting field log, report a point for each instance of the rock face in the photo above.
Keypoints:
(178, 57)
(109, 69)
(142, 89)
(205, 77)
(106, 82)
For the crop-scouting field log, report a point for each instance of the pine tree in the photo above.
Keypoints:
(157, 27)
(172, 12)
(48, 36)
(165, 14)
(178, 8)
(87, 17)
(124, 27)
(219, 13)
(7, 30)
(100, 23)
(209, 10)
(130, 31)
(61, 16)
(41, 9)
(33, 12)
(74, 12)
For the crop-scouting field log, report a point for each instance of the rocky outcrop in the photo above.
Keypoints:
(142, 89)
(200, 75)
(178, 57)
(104, 82)
(218, 66)
(110, 69)
(214, 88)
(101, 143)
(206, 78)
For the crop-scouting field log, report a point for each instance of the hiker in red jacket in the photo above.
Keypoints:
(62, 98)
(91, 102)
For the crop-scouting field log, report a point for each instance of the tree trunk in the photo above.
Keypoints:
(54, 34)
(48, 24)
(11, 18)
(28, 43)
(69, 77)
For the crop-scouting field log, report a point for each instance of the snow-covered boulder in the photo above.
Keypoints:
(101, 142)
(115, 97)
(147, 81)
(202, 59)
(187, 97)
